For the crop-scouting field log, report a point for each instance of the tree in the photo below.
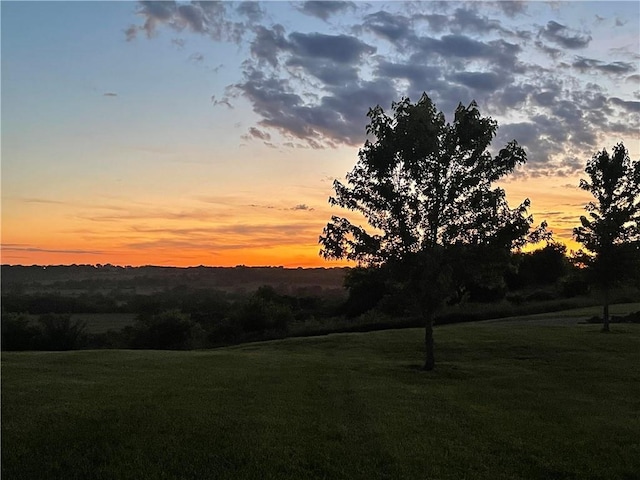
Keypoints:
(612, 233)
(425, 188)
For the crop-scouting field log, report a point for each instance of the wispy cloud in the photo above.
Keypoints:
(30, 248)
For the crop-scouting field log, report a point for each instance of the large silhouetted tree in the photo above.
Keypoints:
(424, 186)
(612, 231)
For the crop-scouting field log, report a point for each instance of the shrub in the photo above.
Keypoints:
(168, 330)
(574, 287)
(59, 332)
(17, 332)
(255, 315)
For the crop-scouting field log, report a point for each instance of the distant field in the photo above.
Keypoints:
(572, 316)
(505, 402)
(103, 322)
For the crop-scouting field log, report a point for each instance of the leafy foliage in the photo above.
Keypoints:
(17, 332)
(424, 183)
(59, 332)
(615, 215)
(611, 234)
(424, 186)
(170, 330)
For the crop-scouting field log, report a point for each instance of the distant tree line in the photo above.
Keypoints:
(185, 318)
(179, 318)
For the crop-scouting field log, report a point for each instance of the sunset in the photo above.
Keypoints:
(336, 240)
(210, 133)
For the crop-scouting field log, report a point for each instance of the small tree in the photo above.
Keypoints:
(612, 232)
(425, 188)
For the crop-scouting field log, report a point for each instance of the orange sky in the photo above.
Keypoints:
(134, 134)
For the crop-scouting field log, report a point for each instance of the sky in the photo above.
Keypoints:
(210, 133)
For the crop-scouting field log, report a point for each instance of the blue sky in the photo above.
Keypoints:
(207, 132)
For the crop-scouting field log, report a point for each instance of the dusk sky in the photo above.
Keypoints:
(209, 133)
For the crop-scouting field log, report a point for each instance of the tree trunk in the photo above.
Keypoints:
(429, 361)
(605, 312)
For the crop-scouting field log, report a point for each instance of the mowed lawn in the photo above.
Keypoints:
(506, 401)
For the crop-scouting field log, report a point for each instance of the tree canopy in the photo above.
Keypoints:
(611, 232)
(425, 189)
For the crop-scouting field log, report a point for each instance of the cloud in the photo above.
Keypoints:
(269, 43)
(388, 26)
(497, 53)
(341, 49)
(257, 133)
(302, 206)
(252, 10)
(196, 57)
(315, 85)
(29, 248)
(483, 81)
(552, 52)
(468, 21)
(628, 105)
(324, 10)
(44, 201)
(589, 64)
(512, 8)
(338, 117)
(131, 32)
(564, 36)
(202, 17)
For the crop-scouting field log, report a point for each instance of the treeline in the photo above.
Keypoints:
(184, 317)
(153, 278)
(177, 319)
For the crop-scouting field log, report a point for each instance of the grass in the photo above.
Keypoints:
(506, 401)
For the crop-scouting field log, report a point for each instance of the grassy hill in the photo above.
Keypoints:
(506, 401)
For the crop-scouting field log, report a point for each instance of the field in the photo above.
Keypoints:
(508, 400)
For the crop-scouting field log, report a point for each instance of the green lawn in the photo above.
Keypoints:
(505, 402)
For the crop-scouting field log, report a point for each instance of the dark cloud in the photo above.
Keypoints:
(512, 96)
(498, 53)
(484, 81)
(628, 105)
(337, 48)
(324, 10)
(131, 32)
(251, 10)
(512, 8)
(268, 43)
(326, 71)
(202, 17)
(552, 52)
(257, 133)
(468, 21)
(564, 36)
(192, 16)
(463, 20)
(418, 75)
(388, 26)
(223, 101)
(315, 87)
(589, 64)
(338, 116)
(437, 22)
(302, 206)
